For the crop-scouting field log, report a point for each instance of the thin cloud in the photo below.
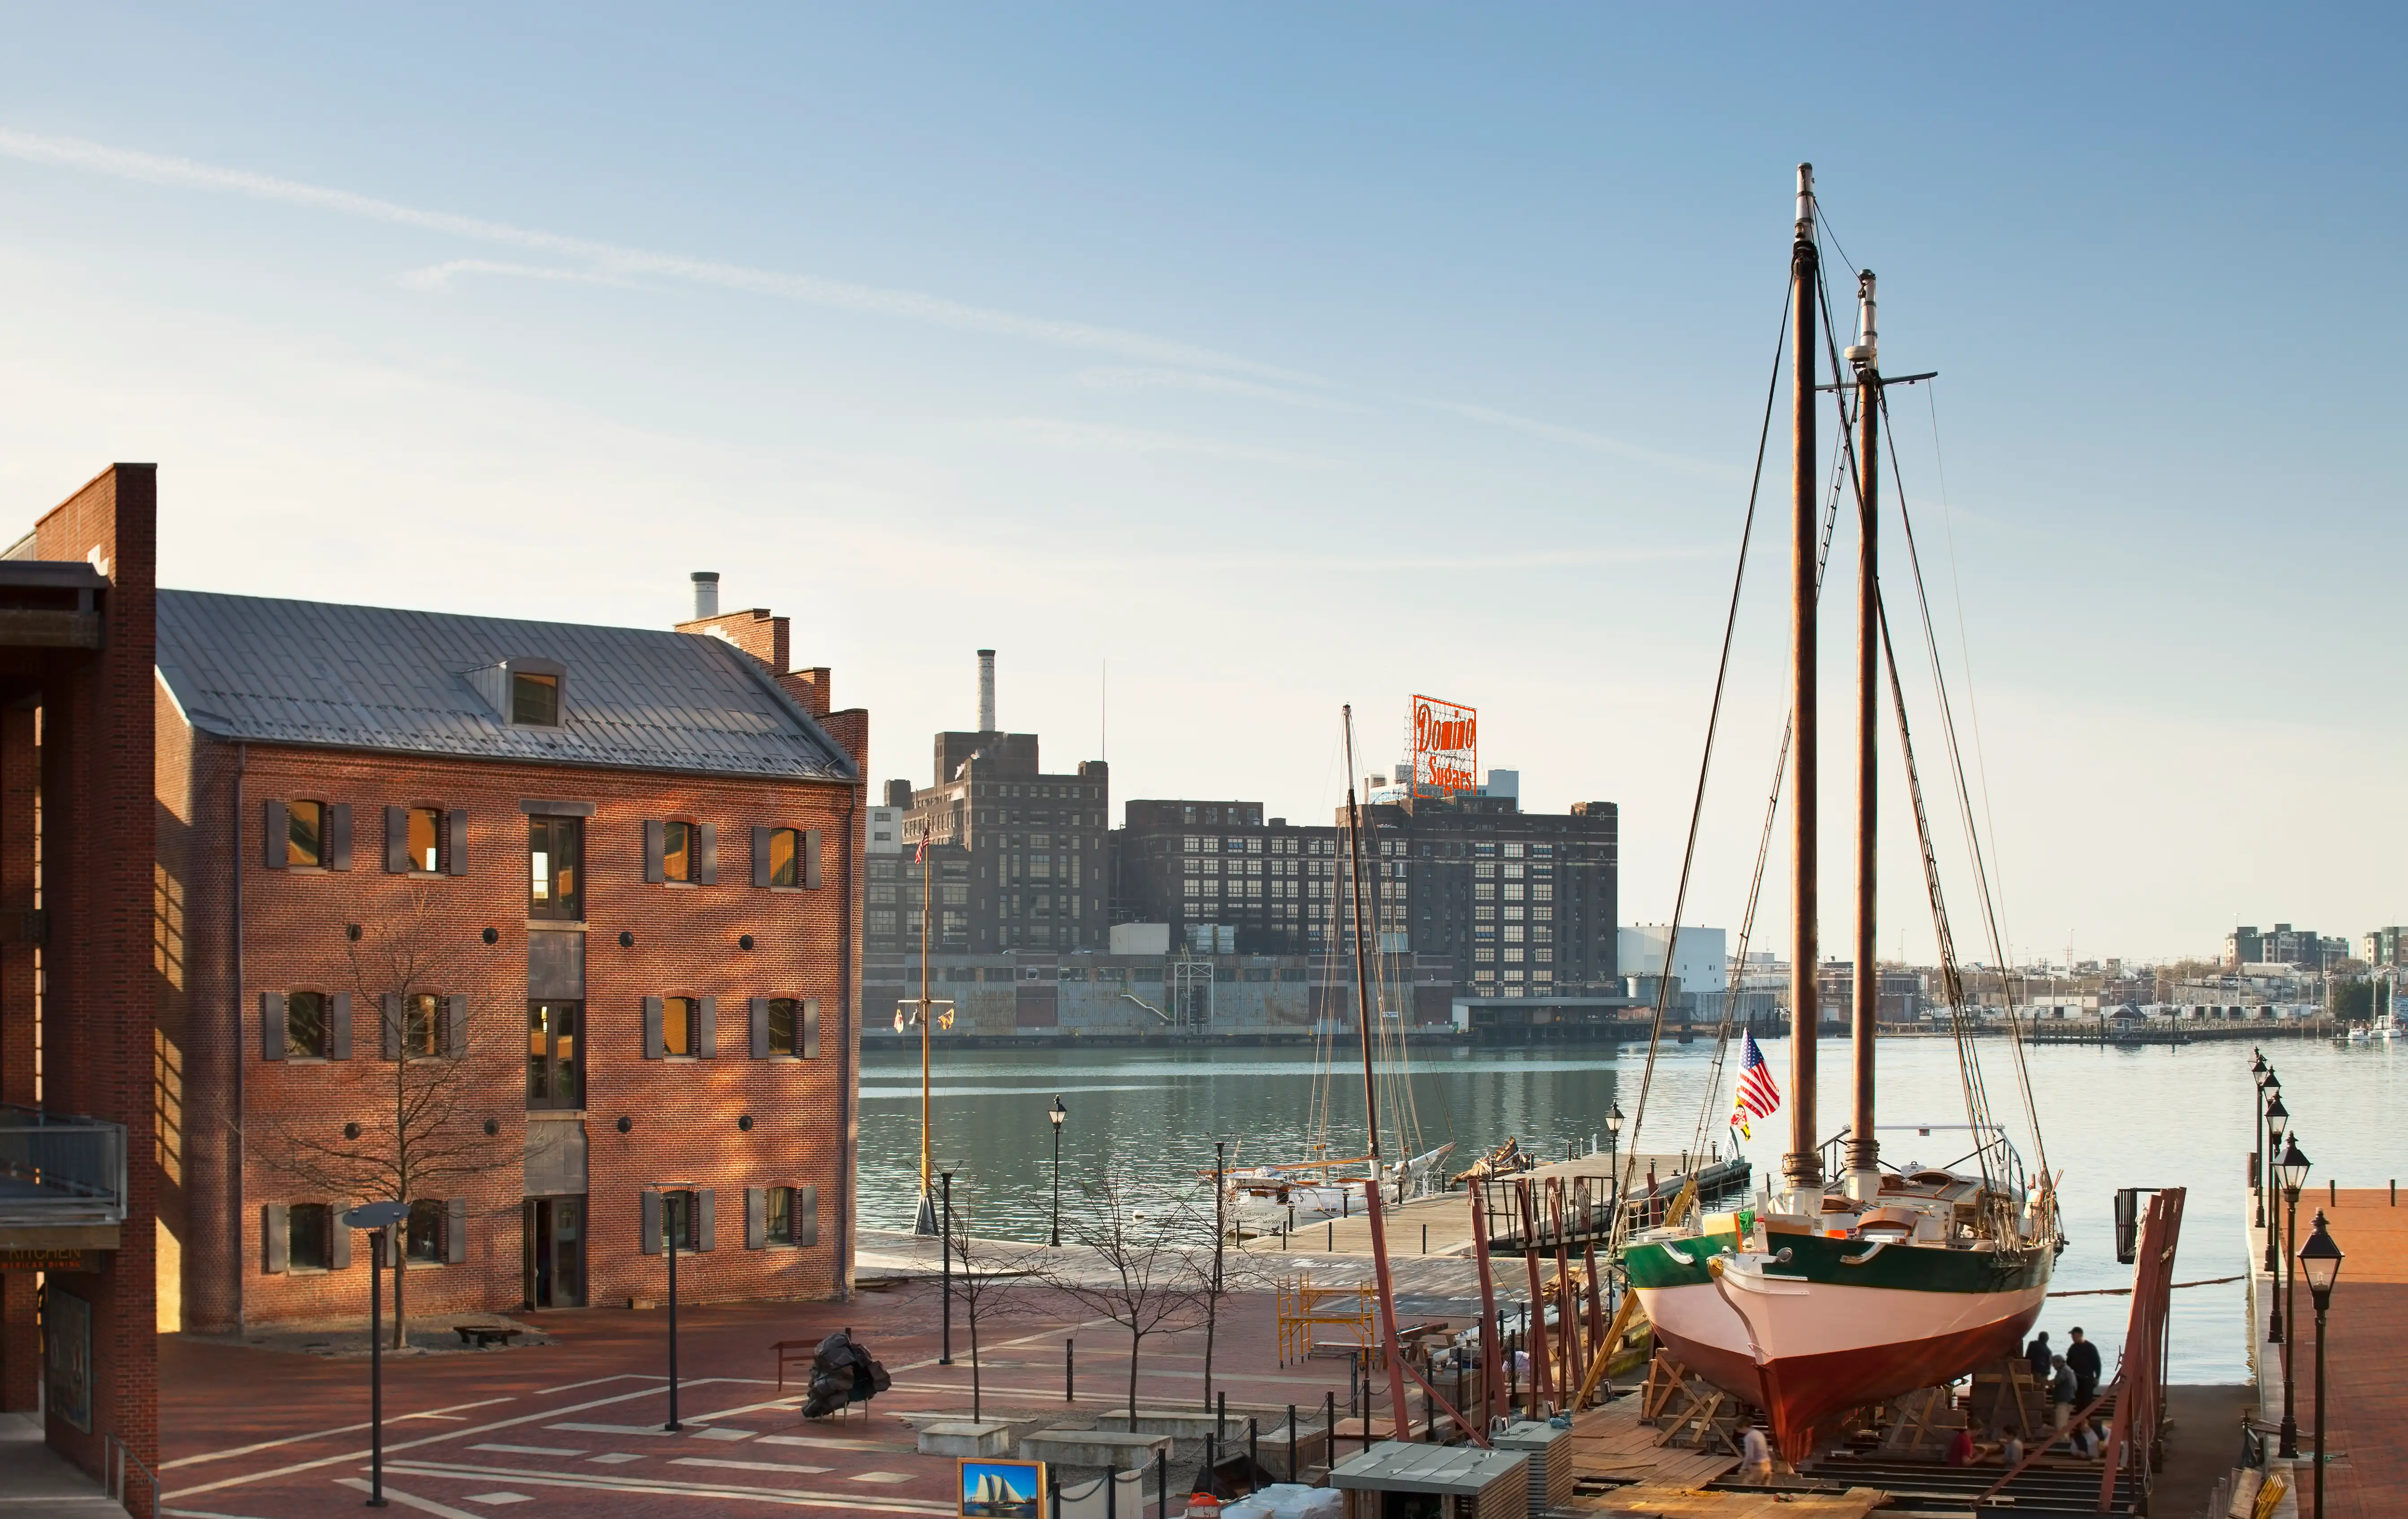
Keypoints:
(1188, 380)
(439, 276)
(1094, 437)
(1578, 438)
(610, 258)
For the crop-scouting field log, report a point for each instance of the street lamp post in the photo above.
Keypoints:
(676, 1212)
(2258, 1139)
(2295, 1175)
(2278, 1122)
(2321, 1259)
(1614, 1121)
(1057, 1112)
(379, 1219)
(945, 1268)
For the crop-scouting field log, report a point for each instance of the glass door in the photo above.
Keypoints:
(555, 1252)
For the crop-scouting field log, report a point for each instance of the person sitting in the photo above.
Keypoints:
(1962, 1451)
(2010, 1450)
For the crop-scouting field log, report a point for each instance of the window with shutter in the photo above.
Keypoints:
(810, 1031)
(338, 836)
(705, 1231)
(308, 1241)
(656, 848)
(760, 1017)
(455, 1026)
(455, 842)
(655, 1027)
(676, 852)
(275, 1239)
(706, 854)
(755, 1217)
(456, 1231)
(649, 1230)
(338, 1026)
(278, 833)
(338, 1238)
(807, 1215)
(705, 1026)
(778, 1227)
(396, 839)
(305, 1026)
(271, 1026)
(421, 1236)
(389, 1027)
(811, 859)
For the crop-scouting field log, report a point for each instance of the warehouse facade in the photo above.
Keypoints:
(550, 930)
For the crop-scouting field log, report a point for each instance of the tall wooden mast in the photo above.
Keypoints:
(1365, 1010)
(1864, 358)
(1801, 1168)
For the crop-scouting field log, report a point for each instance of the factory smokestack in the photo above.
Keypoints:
(706, 593)
(986, 691)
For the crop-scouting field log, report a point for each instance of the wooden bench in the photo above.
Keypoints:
(485, 1336)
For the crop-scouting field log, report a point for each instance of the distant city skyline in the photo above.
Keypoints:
(1271, 360)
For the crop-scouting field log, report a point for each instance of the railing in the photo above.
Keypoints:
(122, 1464)
(59, 1169)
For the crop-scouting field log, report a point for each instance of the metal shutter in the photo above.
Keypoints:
(760, 1028)
(651, 1224)
(455, 1025)
(655, 845)
(705, 1228)
(275, 1237)
(271, 1026)
(278, 837)
(706, 1036)
(811, 862)
(756, 1217)
(338, 1249)
(807, 1215)
(397, 841)
(338, 1026)
(456, 1231)
(655, 1043)
(761, 856)
(810, 1030)
(338, 836)
(455, 842)
(706, 848)
(389, 1047)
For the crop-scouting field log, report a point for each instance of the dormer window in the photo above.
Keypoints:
(525, 691)
(535, 700)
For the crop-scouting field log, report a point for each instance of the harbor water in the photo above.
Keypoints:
(2113, 1116)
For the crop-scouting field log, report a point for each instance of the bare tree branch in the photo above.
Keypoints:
(1146, 1242)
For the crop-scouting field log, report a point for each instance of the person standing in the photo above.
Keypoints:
(2061, 1395)
(2083, 1356)
(2038, 1356)
(1754, 1458)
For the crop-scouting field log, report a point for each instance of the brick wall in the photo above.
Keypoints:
(682, 1115)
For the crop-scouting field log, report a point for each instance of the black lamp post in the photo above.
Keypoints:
(2257, 1073)
(676, 1214)
(945, 1268)
(1057, 1112)
(1614, 1121)
(2295, 1175)
(2321, 1259)
(379, 1219)
(2278, 1122)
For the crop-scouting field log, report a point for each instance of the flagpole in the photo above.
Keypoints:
(927, 1222)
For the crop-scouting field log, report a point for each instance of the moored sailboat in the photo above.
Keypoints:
(1854, 1282)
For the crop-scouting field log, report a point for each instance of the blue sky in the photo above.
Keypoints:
(1278, 358)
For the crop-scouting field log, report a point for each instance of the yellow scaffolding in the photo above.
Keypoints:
(1303, 1307)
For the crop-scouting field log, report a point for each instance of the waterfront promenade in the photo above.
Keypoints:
(2366, 1359)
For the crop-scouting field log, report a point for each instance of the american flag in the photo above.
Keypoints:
(1757, 1095)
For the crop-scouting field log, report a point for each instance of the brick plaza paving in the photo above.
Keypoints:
(575, 1426)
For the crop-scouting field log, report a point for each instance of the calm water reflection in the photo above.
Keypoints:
(2142, 1117)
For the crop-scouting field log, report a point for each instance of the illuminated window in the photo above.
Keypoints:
(304, 833)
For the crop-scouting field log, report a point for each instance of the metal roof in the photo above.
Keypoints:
(263, 671)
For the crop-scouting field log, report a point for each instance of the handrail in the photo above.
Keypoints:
(117, 1455)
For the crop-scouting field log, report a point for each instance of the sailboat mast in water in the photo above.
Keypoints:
(1363, 1013)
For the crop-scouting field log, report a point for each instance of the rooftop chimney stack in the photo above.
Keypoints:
(986, 691)
(706, 593)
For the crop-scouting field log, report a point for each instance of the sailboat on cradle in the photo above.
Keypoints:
(1856, 1281)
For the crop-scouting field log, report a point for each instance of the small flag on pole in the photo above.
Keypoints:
(1757, 1095)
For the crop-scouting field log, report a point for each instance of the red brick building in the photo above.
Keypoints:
(552, 930)
(77, 1062)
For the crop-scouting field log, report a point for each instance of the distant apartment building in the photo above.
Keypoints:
(1516, 904)
(1015, 857)
(2384, 947)
(2283, 945)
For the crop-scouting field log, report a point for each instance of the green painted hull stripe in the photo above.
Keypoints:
(1899, 1268)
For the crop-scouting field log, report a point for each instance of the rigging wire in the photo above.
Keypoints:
(1705, 765)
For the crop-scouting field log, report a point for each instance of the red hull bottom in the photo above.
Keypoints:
(1807, 1391)
(1732, 1371)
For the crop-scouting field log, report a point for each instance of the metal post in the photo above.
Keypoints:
(1069, 1373)
(1254, 1444)
(1329, 1425)
(1801, 1165)
(1221, 1417)
(1057, 1182)
(2291, 1447)
(1162, 1482)
(1219, 1227)
(945, 1267)
(376, 1370)
(1112, 1490)
(1291, 1443)
(669, 1227)
(2321, 1299)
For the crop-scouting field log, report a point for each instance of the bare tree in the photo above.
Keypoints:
(989, 1272)
(1139, 1264)
(403, 967)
